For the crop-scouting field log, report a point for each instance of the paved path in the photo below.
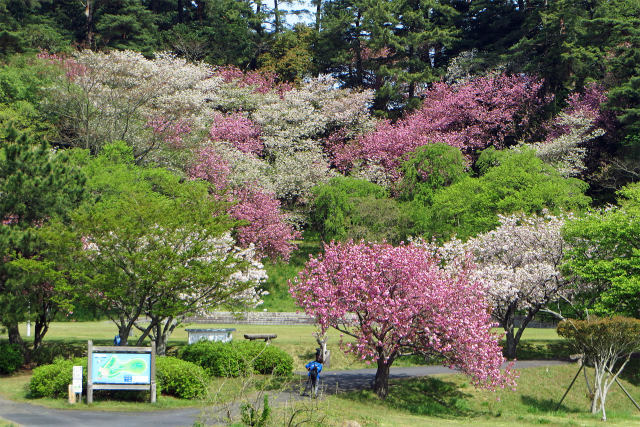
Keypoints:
(26, 414)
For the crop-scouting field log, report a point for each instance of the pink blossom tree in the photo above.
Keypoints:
(263, 223)
(398, 300)
(238, 130)
(470, 116)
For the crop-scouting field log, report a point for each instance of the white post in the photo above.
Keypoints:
(29, 322)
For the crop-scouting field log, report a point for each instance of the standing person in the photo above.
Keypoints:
(314, 368)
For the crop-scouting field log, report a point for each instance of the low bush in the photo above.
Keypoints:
(53, 380)
(11, 358)
(180, 378)
(238, 358)
(271, 360)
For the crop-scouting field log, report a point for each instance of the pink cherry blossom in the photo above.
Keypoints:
(238, 130)
(395, 300)
(470, 116)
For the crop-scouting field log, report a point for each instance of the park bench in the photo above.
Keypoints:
(266, 337)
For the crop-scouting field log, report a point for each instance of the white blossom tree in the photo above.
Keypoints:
(519, 262)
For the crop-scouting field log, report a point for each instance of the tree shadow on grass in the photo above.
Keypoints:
(543, 350)
(536, 405)
(421, 396)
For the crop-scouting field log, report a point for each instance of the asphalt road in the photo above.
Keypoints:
(26, 414)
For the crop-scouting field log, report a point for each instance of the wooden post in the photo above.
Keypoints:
(570, 385)
(89, 372)
(152, 386)
(72, 395)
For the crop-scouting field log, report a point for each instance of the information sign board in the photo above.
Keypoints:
(77, 379)
(121, 368)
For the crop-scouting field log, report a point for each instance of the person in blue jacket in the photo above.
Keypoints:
(314, 368)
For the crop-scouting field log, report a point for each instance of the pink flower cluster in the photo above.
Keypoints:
(212, 167)
(170, 131)
(401, 299)
(240, 131)
(469, 116)
(72, 68)
(263, 82)
(10, 219)
(587, 104)
(266, 227)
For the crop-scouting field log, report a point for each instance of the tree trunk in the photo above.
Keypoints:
(40, 329)
(318, 10)
(88, 13)
(180, 12)
(14, 334)
(509, 328)
(276, 13)
(381, 382)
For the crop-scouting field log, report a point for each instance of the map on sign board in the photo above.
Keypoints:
(121, 368)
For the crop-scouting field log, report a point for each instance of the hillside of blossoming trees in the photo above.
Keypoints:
(437, 168)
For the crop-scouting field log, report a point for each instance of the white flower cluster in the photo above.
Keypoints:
(567, 151)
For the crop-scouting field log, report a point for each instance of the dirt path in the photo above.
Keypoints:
(26, 414)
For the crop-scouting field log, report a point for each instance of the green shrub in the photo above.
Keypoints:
(10, 358)
(53, 380)
(181, 378)
(271, 360)
(50, 351)
(218, 359)
(234, 359)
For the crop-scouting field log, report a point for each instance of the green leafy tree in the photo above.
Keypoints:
(154, 245)
(605, 256)
(428, 169)
(37, 185)
(423, 32)
(349, 208)
(520, 182)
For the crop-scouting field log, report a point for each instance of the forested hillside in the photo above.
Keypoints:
(190, 149)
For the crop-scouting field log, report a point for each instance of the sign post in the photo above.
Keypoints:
(121, 368)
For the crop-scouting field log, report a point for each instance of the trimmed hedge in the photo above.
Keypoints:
(53, 380)
(238, 358)
(174, 377)
(10, 358)
(181, 378)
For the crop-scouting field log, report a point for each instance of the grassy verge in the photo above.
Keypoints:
(7, 423)
(451, 400)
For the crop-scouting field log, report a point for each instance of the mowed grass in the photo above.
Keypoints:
(451, 400)
(296, 340)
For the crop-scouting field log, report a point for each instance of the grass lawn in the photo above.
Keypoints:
(451, 400)
(297, 340)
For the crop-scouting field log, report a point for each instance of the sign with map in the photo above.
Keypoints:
(121, 368)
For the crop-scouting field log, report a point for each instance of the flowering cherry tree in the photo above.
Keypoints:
(264, 225)
(520, 263)
(397, 300)
(469, 116)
